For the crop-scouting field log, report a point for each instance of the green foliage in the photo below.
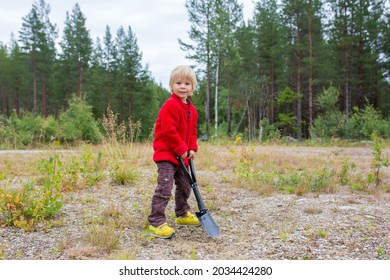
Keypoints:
(328, 126)
(346, 168)
(78, 123)
(24, 207)
(122, 174)
(51, 129)
(244, 167)
(286, 117)
(288, 181)
(363, 123)
(36, 201)
(287, 96)
(24, 130)
(27, 130)
(378, 161)
(321, 179)
(327, 100)
(330, 121)
(76, 47)
(85, 170)
(255, 62)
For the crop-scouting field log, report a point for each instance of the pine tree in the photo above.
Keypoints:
(109, 58)
(96, 96)
(76, 51)
(296, 13)
(130, 70)
(228, 18)
(357, 31)
(201, 14)
(4, 66)
(271, 55)
(37, 38)
(18, 77)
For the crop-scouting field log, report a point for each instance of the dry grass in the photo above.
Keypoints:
(103, 237)
(312, 210)
(112, 213)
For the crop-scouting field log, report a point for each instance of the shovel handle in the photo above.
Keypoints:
(192, 169)
(183, 166)
(192, 180)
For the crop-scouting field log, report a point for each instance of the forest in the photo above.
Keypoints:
(294, 102)
(298, 69)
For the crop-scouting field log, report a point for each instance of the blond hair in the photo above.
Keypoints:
(183, 71)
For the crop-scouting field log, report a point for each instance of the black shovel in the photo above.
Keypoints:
(203, 215)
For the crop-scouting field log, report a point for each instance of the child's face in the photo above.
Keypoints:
(182, 87)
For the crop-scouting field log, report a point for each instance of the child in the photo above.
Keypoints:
(175, 135)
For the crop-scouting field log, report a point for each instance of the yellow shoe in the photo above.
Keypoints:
(188, 220)
(163, 231)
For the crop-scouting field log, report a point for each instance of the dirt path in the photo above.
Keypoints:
(107, 222)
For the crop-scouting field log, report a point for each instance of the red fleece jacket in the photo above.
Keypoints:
(175, 130)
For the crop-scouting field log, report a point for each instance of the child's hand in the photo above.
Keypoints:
(191, 154)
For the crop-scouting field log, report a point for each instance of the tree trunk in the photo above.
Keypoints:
(108, 90)
(310, 66)
(229, 105)
(130, 107)
(272, 95)
(80, 81)
(44, 96)
(17, 99)
(346, 67)
(249, 119)
(4, 98)
(216, 100)
(299, 66)
(229, 112)
(34, 86)
(207, 105)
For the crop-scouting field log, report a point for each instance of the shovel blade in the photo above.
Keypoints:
(205, 219)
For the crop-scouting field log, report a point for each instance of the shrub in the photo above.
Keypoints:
(363, 123)
(78, 123)
(270, 132)
(28, 130)
(23, 131)
(330, 121)
(51, 129)
(379, 161)
(23, 207)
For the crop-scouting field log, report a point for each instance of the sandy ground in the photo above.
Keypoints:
(108, 221)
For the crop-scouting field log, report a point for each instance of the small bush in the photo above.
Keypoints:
(23, 207)
(22, 131)
(330, 121)
(363, 123)
(270, 132)
(85, 170)
(379, 161)
(51, 129)
(78, 123)
(122, 174)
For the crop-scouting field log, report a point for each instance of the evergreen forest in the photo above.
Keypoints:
(297, 69)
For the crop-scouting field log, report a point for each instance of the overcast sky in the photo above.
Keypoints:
(157, 25)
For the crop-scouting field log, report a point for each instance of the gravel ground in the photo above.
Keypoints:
(107, 222)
